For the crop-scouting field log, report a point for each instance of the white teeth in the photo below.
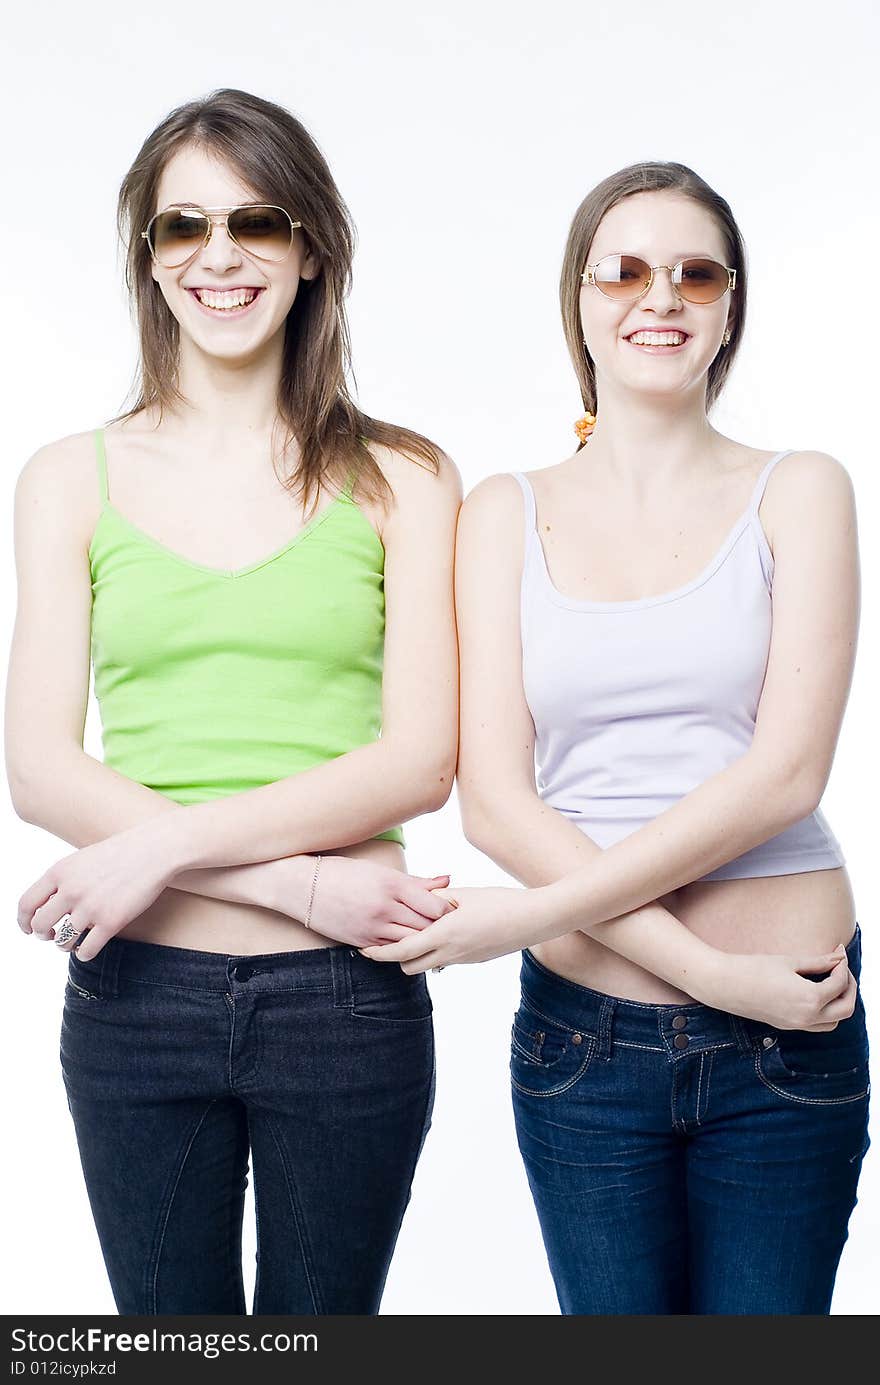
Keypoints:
(658, 338)
(232, 298)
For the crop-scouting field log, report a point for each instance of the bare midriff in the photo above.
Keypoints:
(180, 919)
(795, 915)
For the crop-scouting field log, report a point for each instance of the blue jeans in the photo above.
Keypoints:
(683, 1160)
(179, 1064)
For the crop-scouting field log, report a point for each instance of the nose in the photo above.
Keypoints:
(221, 252)
(661, 296)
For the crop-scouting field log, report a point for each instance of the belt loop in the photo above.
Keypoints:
(604, 1027)
(741, 1033)
(340, 967)
(111, 956)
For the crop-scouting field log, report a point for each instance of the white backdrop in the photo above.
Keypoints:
(463, 136)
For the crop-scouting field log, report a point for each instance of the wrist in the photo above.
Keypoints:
(540, 913)
(286, 885)
(704, 978)
(171, 840)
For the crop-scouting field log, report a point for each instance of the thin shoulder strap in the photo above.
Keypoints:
(530, 513)
(760, 484)
(349, 485)
(102, 465)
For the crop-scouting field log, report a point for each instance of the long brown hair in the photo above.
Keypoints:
(646, 177)
(273, 152)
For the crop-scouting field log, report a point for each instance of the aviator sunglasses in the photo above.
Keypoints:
(625, 278)
(176, 234)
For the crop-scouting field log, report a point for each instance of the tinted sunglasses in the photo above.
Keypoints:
(177, 234)
(627, 277)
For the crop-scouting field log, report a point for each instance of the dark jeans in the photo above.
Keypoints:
(178, 1064)
(683, 1160)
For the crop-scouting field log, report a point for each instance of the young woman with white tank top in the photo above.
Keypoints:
(668, 640)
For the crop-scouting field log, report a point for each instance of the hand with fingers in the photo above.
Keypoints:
(365, 904)
(86, 898)
(778, 990)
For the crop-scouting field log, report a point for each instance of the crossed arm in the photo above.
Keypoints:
(135, 841)
(611, 894)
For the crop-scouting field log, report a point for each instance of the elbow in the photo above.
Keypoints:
(797, 792)
(476, 821)
(432, 784)
(807, 791)
(22, 792)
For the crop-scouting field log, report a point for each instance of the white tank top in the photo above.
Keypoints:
(635, 703)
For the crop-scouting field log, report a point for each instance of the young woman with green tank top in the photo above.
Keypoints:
(275, 664)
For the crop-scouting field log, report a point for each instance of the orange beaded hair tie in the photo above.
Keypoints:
(584, 426)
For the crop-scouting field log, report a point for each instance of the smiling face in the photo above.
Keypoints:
(661, 228)
(227, 303)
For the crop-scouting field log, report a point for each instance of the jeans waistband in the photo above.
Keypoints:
(676, 1029)
(321, 968)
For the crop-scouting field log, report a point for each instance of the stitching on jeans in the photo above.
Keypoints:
(679, 1054)
(523, 1053)
(305, 1248)
(152, 1274)
(214, 990)
(807, 1100)
(569, 1028)
(557, 1091)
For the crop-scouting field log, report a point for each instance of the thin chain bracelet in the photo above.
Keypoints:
(312, 892)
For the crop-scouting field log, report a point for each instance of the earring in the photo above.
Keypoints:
(584, 426)
(725, 340)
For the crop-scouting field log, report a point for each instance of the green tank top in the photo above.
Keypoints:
(210, 682)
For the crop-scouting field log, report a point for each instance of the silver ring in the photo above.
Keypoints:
(64, 930)
(433, 969)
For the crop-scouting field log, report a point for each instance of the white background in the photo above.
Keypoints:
(463, 136)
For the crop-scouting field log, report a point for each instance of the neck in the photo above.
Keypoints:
(645, 440)
(229, 401)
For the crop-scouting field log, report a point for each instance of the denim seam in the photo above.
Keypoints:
(566, 1086)
(523, 1053)
(569, 1028)
(807, 1100)
(392, 1019)
(152, 1275)
(211, 990)
(679, 1053)
(298, 1221)
(707, 1058)
(531, 1058)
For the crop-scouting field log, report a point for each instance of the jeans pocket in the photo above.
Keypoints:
(389, 994)
(83, 980)
(818, 1069)
(547, 1057)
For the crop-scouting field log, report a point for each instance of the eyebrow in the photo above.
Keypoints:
(198, 205)
(642, 255)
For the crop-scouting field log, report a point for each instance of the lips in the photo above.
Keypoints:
(202, 296)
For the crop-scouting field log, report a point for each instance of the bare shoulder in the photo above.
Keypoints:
(807, 491)
(409, 476)
(491, 524)
(59, 482)
(425, 501)
(808, 477)
(497, 497)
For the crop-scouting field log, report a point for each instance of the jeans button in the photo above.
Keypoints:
(243, 971)
(681, 1041)
(768, 1041)
(577, 1038)
(679, 1021)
